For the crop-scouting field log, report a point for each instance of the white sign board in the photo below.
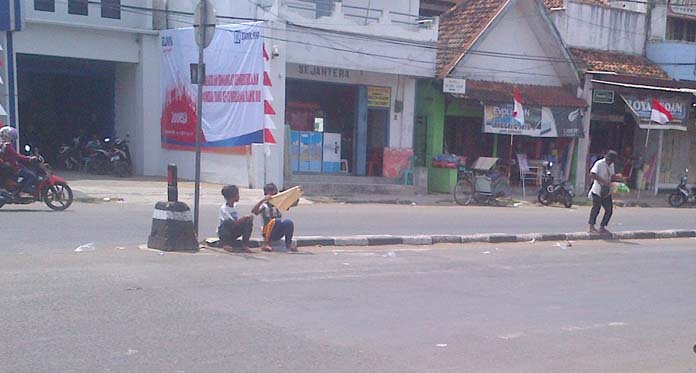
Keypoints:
(234, 98)
(454, 85)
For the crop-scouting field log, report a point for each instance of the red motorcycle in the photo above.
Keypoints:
(49, 188)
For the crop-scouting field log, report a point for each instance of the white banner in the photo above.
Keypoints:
(233, 95)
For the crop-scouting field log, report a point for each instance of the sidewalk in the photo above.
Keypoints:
(647, 199)
(144, 189)
(139, 189)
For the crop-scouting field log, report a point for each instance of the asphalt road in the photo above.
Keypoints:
(114, 224)
(596, 306)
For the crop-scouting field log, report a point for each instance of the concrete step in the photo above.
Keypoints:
(338, 189)
(341, 179)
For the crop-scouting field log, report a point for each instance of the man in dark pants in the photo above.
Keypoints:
(602, 174)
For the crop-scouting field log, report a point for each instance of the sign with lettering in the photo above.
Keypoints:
(538, 121)
(233, 92)
(683, 8)
(323, 72)
(379, 97)
(454, 85)
(642, 107)
(600, 96)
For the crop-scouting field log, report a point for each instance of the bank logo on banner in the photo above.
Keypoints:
(233, 95)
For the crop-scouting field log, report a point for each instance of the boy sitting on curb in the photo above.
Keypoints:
(273, 227)
(231, 225)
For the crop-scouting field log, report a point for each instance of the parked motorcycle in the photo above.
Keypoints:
(551, 192)
(683, 194)
(48, 188)
(110, 157)
(67, 158)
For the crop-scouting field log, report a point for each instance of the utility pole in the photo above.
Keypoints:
(204, 18)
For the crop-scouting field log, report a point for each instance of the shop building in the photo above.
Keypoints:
(350, 89)
(498, 47)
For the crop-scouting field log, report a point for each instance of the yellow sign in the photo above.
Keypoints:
(379, 97)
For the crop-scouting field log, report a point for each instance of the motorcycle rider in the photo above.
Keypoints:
(16, 161)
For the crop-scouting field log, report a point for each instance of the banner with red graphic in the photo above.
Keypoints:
(234, 102)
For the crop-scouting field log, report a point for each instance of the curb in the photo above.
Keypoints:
(424, 240)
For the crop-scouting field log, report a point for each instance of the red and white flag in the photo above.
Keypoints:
(659, 113)
(518, 110)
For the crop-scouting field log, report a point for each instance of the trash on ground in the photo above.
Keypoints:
(134, 288)
(562, 246)
(161, 253)
(533, 240)
(86, 247)
(107, 199)
(390, 254)
(346, 264)
(120, 248)
(516, 204)
(413, 204)
(441, 345)
(497, 249)
(486, 252)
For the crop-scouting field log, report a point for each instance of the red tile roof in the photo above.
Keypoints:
(554, 4)
(615, 62)
(531, 94)
(460, 27)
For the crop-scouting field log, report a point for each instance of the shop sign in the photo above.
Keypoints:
(379, 97)
(323, 72)
(683, 7)
(539, 121)
(454, 85)
(600, 96)
(642, 107)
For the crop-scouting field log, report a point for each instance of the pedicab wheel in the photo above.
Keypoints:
(58, 197)
(463, 193)
(676, 199)
(502, 193)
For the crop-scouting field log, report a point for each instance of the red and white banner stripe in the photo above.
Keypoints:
(269, 112)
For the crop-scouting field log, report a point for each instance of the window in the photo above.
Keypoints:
(45, 5)
(324, 8)
(78, 7)
(681, 29)
(111, 9)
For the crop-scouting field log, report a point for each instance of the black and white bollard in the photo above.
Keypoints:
(172, 222)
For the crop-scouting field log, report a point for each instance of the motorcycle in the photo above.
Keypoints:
(48, 188)
(120, 158)
(67, 157)
(683, 194)
(109, 157)
(551, 192)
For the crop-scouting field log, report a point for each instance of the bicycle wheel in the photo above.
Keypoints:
(463, 192)
(502, 192)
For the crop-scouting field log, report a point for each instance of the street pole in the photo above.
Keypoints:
(203, 28)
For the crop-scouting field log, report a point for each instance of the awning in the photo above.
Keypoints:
(646, 86)
(549, 111)
(641, 108)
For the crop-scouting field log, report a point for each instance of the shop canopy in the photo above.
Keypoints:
(549, 111)
(638, 96)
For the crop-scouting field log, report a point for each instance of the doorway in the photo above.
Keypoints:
(377, 139)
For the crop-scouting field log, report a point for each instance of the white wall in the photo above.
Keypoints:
(62, 41)
(513, 33)
(131, 19)
(402, 88)
(658, 22)
(603, 28)
(125, 112)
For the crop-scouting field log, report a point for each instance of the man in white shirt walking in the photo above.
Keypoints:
(602, 174)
